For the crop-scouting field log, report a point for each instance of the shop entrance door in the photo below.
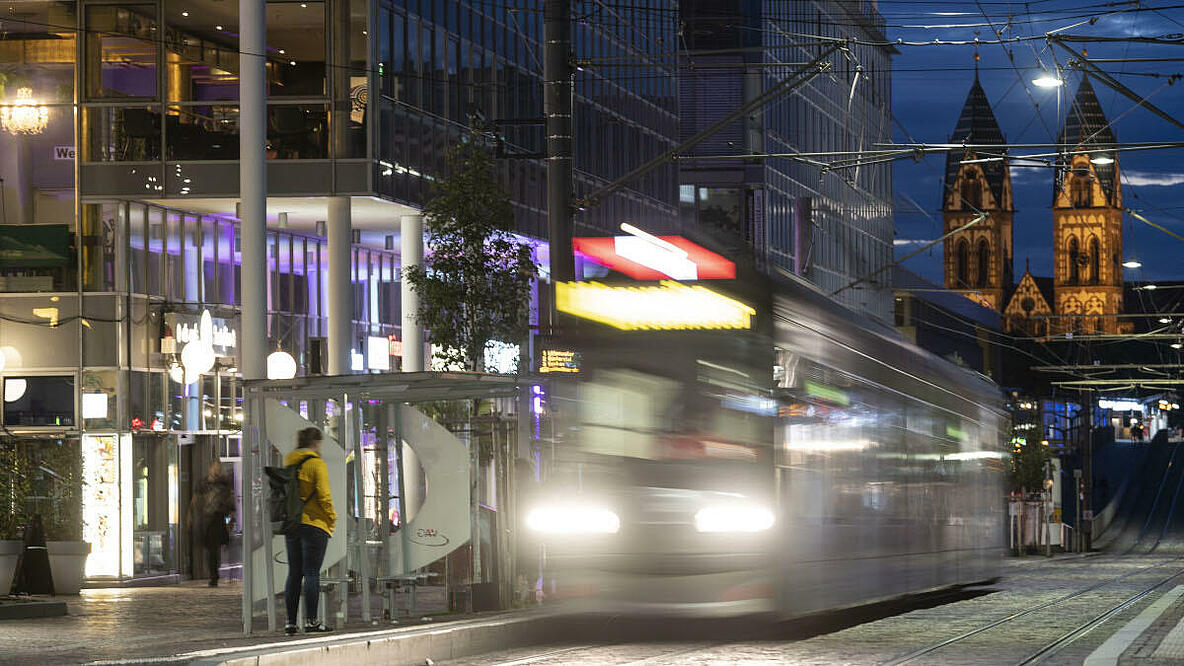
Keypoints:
(197, 452)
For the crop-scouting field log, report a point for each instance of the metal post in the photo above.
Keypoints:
(263, 451)
(1077, 491)
(252, 89)
(557, 94)
(352, 426)
(404, 542)
(1087, 458)
(411, 254)
(250, 443)
(341, 300)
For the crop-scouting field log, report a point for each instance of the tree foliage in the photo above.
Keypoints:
(475, 283)
(1027, 466)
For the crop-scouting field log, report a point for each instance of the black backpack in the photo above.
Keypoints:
(284, 505)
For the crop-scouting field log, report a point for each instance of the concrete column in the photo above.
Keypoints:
(341, 297)
(411, 254)
(252, 91)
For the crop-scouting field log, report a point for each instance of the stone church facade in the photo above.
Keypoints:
(1084, 294)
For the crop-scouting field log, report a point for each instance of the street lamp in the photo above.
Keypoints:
(1101, 159)
(1132, 263)
(1048, 80)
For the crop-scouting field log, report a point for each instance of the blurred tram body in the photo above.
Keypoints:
(814, 462)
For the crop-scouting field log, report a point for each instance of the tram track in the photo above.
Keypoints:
(1064, 640)
(1073, 614)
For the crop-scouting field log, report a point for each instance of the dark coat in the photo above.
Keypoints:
(214, 500)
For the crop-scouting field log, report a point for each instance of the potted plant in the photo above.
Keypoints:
(14, 487)
(62, 461)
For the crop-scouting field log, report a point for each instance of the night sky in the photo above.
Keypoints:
(930, 87)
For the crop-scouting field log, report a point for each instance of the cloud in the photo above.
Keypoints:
(1152, 179)
(906, 241)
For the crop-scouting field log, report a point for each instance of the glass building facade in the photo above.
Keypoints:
(832, 227)
(444, 67)
(120, 182)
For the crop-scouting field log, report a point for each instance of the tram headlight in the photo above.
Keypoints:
(734, 517)
(573, 519)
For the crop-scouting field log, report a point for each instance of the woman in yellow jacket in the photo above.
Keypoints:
(306, 546)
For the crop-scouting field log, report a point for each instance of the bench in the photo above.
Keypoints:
(391, 584)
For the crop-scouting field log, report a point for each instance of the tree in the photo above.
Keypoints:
(1028, 466)
(475, 283)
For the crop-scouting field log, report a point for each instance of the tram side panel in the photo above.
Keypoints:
(881, 493)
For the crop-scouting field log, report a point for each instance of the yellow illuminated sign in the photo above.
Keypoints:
(669, 306)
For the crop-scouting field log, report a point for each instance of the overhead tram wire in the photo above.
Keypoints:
(1019, 76)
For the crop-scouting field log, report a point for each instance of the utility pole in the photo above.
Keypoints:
(557, 94)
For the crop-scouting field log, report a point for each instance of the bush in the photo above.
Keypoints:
(59, 487)
(14, 491)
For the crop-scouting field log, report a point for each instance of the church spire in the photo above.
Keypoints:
(977, 125)
(1085, 127)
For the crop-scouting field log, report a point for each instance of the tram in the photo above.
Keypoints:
(811, 460)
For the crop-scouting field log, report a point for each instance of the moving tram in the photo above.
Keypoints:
(812, 460)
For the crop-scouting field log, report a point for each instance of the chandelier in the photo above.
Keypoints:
(24, 117)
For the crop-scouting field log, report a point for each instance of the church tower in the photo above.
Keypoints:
(1087, 221)
(978, 259)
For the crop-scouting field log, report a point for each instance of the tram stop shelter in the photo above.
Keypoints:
(421, 469)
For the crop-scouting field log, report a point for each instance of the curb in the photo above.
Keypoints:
(408, 645)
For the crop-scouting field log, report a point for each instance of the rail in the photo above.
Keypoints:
(1065, 639)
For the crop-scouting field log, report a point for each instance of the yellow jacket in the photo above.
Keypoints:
(318, 511)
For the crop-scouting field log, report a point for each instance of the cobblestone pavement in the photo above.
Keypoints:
(143, 622)
(904, 629)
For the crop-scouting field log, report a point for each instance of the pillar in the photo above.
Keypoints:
(557, 101)
(341, 298)
(411, 254)
(24, 181)
(252, 90)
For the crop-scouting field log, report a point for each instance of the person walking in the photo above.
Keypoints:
(212, 504)
(306, 546)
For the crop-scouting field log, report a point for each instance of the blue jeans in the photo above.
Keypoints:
(306, 552)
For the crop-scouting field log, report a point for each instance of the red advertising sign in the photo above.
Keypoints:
(656, 257)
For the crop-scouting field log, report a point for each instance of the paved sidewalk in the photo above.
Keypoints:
(148, 622)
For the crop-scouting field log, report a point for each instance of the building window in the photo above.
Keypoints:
(1082, 191)
(972, 191)
(121, 51)
(984, 264)
(962, 264)
(1095, 271)
(1075, 260)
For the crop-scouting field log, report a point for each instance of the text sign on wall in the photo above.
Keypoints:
(63, 153)
(186, 328)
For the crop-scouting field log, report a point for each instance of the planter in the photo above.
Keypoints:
(67, 564)
(10, 552)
